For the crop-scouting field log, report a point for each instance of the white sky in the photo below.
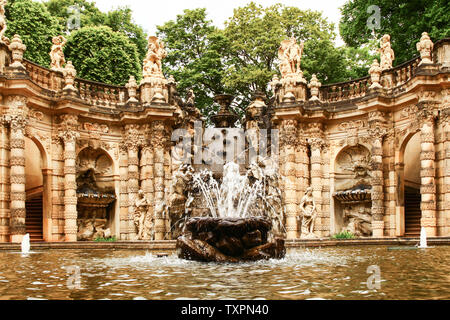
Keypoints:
(149, 14)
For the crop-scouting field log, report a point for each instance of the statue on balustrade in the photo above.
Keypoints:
(290, 55)
(57, 53)
(309, 215)
(387, 55)
(3, 26)
(155, 54)
(142, 219)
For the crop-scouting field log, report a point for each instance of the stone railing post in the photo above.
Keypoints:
(288, 136)
(69, 135)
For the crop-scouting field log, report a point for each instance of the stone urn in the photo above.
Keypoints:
(229, 240)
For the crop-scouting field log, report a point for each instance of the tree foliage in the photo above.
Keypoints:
(404, 20)
(101, 54)
(195, 55)
(36, 27)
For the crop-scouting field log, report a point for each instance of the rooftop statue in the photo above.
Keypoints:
(387, 55)
(425, 47)
(3, 28)
(57, 53)
(152, 62)
(290, 55)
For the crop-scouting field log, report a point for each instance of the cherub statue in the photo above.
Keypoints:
(141, 204)
(387, 55)
(3, 26)
(57, 53)
(309, 214)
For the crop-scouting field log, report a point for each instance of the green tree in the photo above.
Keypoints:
(255, 34)
(36, 27)
(104, 55)
(195, 56)
(404, 20)
(120, 19)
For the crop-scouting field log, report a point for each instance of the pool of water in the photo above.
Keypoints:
(327, 273)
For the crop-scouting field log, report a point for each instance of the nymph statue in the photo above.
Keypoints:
(141, 205)
(309, 214)
(3, 22)
(155, 54)
(57, 53)
(387, 55)
(290, 55)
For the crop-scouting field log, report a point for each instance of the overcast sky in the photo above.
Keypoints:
(149, 14)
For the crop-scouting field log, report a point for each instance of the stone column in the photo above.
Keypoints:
(57, 188)
(302, 168)
(147, 176)
(427, 163)
(289, 141)
(4, 181)
(132, 143)
(17, 175)
(317, 145)
(123, 196)
(69, 135)
(446, 169)
(159, 142)
(377, 131)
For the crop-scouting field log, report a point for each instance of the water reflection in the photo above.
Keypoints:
(327, 273)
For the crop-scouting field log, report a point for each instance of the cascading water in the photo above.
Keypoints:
(423, 239)
(25, 245)
(243, 210)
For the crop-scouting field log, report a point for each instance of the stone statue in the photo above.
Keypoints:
(57, 53)
(358, 221)
(141, 205)
(314, 85)
(309, 214)
(387, 55)
(425, 47)
(190, 98)
(155, 54)
(375, 75)
(3, 26)
(290, 55)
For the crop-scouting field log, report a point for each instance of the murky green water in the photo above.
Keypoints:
(328, 273)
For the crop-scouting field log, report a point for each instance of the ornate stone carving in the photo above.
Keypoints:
(387, 55)
(57, 54)
(17, 48)
(142, 218)
(3, 25)
(290, 55)
(152, 62)
(69, 73)
(132, 90)
(308, 215)
(425, 47)
(288, 133)
(375, 75)
(314, 86)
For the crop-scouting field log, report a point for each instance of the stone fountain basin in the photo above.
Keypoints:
(229, 240)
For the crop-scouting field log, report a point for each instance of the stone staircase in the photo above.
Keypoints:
(33, 221)
(413, 213)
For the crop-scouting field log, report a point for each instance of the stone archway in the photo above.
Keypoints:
(352, 196)
(37, 221)
(96, 194)
(410, 185)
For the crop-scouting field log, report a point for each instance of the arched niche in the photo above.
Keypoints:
(352, 191)
(96, 194)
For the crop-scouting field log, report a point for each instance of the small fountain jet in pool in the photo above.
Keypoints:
(240, 222)
(25, 246)
(423, 239)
